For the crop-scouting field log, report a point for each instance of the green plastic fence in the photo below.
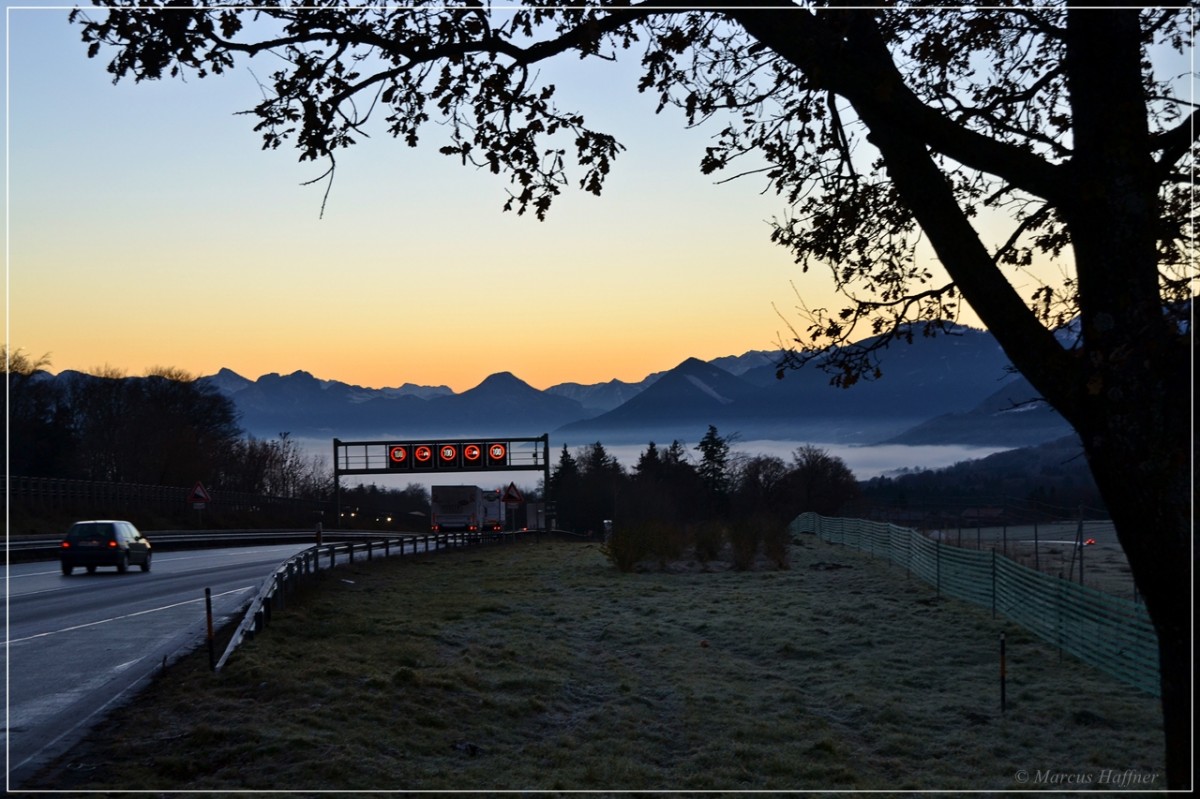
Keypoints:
(1111, 633)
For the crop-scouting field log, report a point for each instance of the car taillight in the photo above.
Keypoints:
(112, 544)
(66, 544)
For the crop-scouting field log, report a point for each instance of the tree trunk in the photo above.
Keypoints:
(1143, 477)
(1130, 405)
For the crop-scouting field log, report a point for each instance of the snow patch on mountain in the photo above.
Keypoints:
(707, 389)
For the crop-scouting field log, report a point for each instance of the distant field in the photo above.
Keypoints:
(538, 666)
(1050, 548)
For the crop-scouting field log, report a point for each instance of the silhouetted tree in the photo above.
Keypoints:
(601, 480)
(564, 489)
(760, 486)
(183, 425)
(818, 482)
(649, 463)
(882, 128)
(38, 434)
(104, 408)
(713, 469)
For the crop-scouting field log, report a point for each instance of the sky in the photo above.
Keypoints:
(147, 228)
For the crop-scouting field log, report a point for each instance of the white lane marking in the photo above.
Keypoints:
(128, 615)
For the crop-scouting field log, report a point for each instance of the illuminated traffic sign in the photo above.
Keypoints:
(448, 455)
(423, 456)
(472, 454)
(398, 457)
(497, 454)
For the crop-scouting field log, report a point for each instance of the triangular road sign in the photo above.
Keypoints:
(513, 495)
(199, 494)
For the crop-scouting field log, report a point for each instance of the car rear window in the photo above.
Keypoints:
(90, 531)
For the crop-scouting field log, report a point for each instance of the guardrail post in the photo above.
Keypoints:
(370, 554)
(212, 654)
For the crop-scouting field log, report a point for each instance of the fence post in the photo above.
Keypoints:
(1003, 676)
(1059, 608)
(938, 558)
(994, 584)
(1037, 566)
(1079, 543)
(908, 553)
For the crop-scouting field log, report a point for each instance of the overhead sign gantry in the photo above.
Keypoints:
(428, 456)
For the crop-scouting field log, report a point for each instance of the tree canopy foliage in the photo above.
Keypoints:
(1041, 156)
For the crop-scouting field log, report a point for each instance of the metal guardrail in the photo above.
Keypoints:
(47, 548)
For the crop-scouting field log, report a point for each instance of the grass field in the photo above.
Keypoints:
(539, 666)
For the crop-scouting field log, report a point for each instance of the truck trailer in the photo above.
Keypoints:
(493, 511)
(454, 508)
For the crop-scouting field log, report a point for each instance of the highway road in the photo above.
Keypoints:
(78, 646)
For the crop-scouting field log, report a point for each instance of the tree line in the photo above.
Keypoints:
(1047, 482)
(164, 428)
(671, 486)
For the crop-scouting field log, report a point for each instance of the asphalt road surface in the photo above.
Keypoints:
(78, 646)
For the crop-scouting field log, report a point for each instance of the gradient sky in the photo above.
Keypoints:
(147, 227)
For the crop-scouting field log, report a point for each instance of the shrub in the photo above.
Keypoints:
(744, 535)
(666, 541)
(708, 538)
(627, 544)
(777, 541)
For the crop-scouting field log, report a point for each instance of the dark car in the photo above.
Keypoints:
(104, 543)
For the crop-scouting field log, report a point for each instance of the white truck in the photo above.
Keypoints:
(493, 510)
(455, 508)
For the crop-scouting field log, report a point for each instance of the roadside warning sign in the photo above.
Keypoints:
(513, 496)
(199, 496)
